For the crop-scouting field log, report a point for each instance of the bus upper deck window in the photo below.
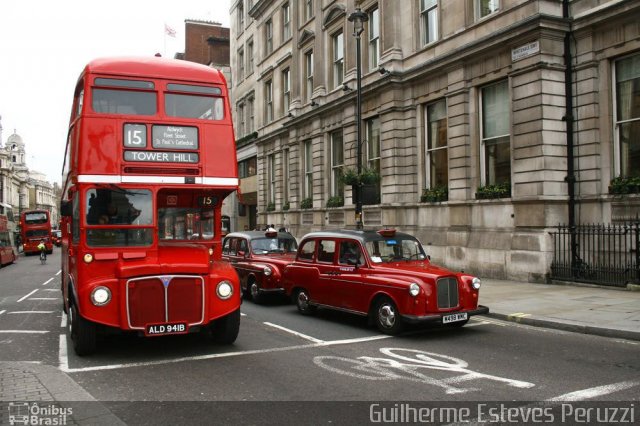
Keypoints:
(195, 102)
(120, 100)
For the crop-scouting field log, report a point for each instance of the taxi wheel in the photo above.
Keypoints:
(254, 289)
(301, 299)
(82, 332)
(387, 317)
(225, 330)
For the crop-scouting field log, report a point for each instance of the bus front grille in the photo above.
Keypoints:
(165, 299)
(447, 293)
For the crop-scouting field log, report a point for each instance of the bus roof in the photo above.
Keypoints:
(155, 67)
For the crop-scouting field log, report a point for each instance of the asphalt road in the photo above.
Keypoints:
(281, 356)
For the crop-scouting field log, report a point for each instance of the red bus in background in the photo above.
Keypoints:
(35, 226)
(150, 157)
(7, 254)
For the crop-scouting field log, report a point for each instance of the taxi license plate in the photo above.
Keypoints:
(454, 318)
(165, 329)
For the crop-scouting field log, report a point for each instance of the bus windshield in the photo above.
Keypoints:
(185, 223)
(35, 218)
(129, 102)
(119, 206)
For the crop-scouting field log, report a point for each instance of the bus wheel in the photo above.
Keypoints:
(225, 330)
(82, 332)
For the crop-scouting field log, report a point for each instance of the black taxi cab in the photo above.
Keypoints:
(259, 258)
(385, 275)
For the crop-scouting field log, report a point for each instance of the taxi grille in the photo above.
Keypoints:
(162, 299)
(447, 293)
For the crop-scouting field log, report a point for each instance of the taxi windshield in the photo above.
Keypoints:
(274, 245)
(386, 250)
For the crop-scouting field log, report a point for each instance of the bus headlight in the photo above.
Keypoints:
(88, 258)
(414, 289)
(267, 271)
(100, 296)
(224, 290)
(475, 283)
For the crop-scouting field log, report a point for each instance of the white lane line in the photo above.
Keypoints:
(44, 298)
(475, 324)
(62, 353)
(50, 289)
(295, 333)
(66, 369)
(591, 393)
(63, 321)
(24, 331)
(58, 273)
(32, 312)
(2, 312)
(24, 297)
(243, 315)
(48, 281)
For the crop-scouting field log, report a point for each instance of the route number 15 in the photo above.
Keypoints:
(135, 135)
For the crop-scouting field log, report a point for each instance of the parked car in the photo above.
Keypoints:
(259, 258)
(385, 275)
(56, 237)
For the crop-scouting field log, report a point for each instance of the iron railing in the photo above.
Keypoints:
(605, 254)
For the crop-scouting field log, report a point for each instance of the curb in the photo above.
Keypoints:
(574, 328)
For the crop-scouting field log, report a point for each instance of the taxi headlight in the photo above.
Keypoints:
(88, 258)
(224, 290)
(475, 283)
(414, 289)
(267, 271)
(100, 296)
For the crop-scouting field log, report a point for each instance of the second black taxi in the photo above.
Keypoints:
(259, 258)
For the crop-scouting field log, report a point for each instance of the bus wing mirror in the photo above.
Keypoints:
(66, 209)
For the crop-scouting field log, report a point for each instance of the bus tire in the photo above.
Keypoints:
(225, 330)
(82, 332)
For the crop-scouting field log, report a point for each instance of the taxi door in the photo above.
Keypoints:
(326, 292)
(348, 279)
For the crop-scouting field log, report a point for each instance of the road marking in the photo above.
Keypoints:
(58, 273)
(48, 281)
(24, 297)
(64, 365)
(243, 315)
(591, 393)
(32, 312)
(295, 333)
(62, 354)
(2, 312)
(24, 331)
(63, 322)
(44, 298)
(50, 289)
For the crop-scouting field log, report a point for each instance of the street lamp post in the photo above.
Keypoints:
(358, 18)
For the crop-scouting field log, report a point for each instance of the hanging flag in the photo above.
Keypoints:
(169, 31)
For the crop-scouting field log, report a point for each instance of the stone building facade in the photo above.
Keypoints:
(464, 118)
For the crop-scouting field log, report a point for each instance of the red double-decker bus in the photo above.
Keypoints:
(7, 254)
(35, 226)
(150, 157)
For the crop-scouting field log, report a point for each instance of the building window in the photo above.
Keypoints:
(247, 168)
(250, 56)
(241, 64)
(338, 59)
(271, 178)
(308, 59)
(286, 22)
(429, 18)
(308, 9)
(627, 118)
(268, 101)
(286, 178)
(307, 190)
(240, 17)
(337, 162)
(250, 115)
(240, 120)
(373, 151)
(495, 154)
(374, 38)
(268, 37)
(486, 7)
(286, 90)
(437, 157)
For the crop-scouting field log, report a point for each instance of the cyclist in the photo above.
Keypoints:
(43, 251)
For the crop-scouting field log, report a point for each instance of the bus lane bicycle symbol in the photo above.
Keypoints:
(413, 365)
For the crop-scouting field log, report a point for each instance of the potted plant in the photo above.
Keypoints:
(306, 203)
(625, 185)
(367, 176)
(336, 201)
(498, 190)
(285, 206)
(434, 195)
(271, 207)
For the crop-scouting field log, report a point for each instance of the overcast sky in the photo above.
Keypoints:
(45, 44)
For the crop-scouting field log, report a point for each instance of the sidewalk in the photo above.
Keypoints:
(50, 394)
(603, 311)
